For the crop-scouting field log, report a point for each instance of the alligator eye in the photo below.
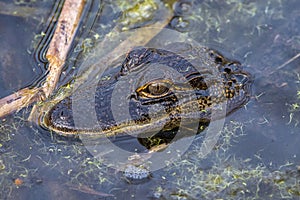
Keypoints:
(154, 89)
(157, 89)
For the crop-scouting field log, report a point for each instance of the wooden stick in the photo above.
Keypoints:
(57, 53)
(61, 42)
(18, 100)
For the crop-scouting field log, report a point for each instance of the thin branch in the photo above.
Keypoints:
(286, 63)
(61, 42)
(56, 55)
(18, 100)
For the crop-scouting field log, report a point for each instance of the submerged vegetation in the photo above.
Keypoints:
(217, 176)
(294, 107)
(264, 34)
(225, 176)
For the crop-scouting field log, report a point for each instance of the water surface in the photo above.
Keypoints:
(256, 156)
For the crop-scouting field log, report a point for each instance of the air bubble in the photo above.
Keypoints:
(182, 8)
(179, 24)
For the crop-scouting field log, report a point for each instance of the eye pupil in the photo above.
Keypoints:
(63, 115)
(154, 89)
(157, 88)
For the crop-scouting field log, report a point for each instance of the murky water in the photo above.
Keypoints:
(257, 154)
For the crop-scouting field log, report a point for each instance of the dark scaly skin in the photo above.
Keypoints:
(191, 99)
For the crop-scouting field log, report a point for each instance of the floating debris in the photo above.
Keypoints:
(136, 172)
(18, 182)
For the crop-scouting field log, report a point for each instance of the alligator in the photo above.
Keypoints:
(166, 88)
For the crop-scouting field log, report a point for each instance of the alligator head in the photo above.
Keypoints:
(154, 90)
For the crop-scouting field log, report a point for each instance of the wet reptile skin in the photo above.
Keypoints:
(197, 86)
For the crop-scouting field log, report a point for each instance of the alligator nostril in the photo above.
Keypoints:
(216, 56)
(218, 60)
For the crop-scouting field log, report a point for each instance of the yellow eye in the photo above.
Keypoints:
(157, 89)
(154, 89)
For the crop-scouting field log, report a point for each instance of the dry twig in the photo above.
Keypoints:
(60, 44)
(19, 100)
(56, 54)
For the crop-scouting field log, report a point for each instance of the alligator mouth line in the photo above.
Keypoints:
(164, 123)
(201, 113)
